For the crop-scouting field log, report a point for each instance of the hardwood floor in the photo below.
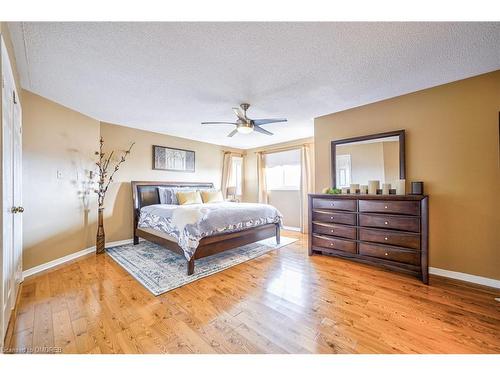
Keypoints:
(282, 302)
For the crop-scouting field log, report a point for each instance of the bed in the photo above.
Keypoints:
(153, 222)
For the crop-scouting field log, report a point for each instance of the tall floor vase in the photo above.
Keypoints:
(101, 238)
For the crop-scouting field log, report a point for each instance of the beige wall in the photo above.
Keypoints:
(452, 144)
(57, 220)
(118, 203)
(288, 203)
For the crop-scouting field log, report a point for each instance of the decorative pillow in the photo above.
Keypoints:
(189, 197)
(162, 194)
(168, 195)
(211, 196)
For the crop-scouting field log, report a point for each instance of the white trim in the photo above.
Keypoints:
(493, 283)
(293, 229)
(67, 258)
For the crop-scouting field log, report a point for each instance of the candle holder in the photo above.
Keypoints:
(401, 187)
(373, 186)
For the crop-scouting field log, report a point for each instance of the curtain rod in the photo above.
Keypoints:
(232, 153)
(295, 147)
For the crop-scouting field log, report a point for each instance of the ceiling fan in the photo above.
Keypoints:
(246, 125)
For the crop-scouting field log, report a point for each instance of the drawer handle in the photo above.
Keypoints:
(385, 206)
(386, 254)
(331, 244)
(333, 204)
(386, 222)
(331, 217)
(385, 238)
(331, 230)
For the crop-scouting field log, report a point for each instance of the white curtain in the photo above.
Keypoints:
(227, 164)
(261, 175)
(307, 182)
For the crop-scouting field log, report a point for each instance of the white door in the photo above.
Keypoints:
(11, 188)
(17, 196)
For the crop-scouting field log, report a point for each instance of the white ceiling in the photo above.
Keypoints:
(168, 77)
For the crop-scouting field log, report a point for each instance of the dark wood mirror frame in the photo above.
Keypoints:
(398, 133)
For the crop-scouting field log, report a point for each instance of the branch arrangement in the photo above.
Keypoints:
(103, 164)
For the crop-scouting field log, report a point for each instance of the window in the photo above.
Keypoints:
(343, 166)
(235, 178)
(283, 170)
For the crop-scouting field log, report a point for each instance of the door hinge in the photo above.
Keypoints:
(14, 97)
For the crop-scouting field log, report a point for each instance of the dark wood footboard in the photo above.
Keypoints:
(215, 244)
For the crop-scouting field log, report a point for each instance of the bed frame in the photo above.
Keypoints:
(145, 193)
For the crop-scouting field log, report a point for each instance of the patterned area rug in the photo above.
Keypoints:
(160, 270)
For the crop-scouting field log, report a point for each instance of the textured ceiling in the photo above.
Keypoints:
(168, 77)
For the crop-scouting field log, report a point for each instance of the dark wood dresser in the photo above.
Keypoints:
(390, 231)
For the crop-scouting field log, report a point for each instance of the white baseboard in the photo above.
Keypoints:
(465, 277)
(67, 258)
(293, 229)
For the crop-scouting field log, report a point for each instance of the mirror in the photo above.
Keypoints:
(373, 157)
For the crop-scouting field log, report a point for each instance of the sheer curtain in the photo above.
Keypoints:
(261, 176)
(227, 164)
(307, 182)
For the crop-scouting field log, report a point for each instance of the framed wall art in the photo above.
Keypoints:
(173, 159)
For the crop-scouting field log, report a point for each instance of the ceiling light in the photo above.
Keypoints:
(244, 129)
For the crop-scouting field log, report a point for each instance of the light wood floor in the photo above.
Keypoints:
(282, 302)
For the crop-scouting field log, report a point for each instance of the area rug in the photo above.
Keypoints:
(160, 270)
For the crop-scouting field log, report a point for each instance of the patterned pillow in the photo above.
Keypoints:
(168, 195)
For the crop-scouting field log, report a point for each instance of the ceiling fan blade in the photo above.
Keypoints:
(218, 122)
(239, 114)
(233, 132)
(257, 128)
(263, 121)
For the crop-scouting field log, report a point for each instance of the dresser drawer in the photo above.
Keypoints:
(335, 204)
(378, 251)
(407, 223)
(335, 230)
(335, 217)
(394, 207)
(390, 237)
(334, 243)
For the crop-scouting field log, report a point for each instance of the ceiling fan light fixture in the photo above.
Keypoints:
(244, 129)
(245, 125)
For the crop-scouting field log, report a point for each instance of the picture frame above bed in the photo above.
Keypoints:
(173, 159)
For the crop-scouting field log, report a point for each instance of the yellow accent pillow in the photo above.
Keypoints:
(188, 197)
(212, 196)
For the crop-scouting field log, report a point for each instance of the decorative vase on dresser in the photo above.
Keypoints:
(390, 231)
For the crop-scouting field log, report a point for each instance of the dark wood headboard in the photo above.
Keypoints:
(145, 193)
